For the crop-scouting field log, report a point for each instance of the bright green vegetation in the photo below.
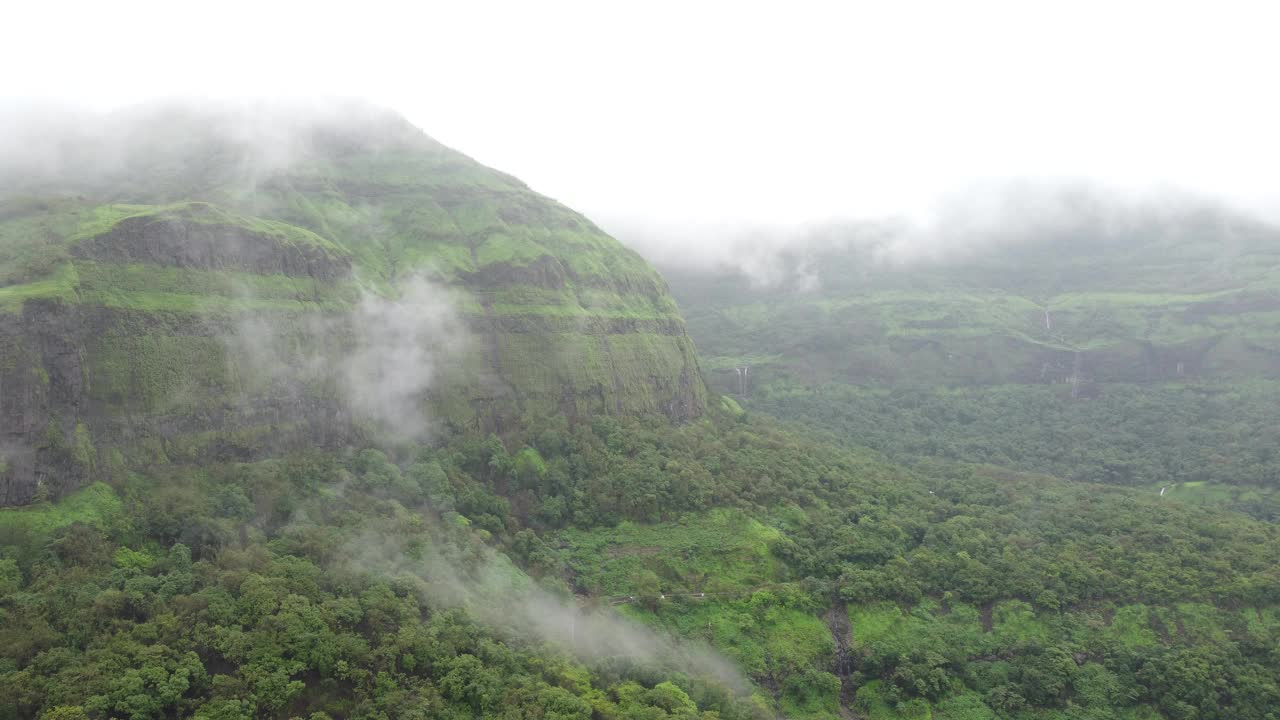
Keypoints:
(136, 286)
(1020, 384)
(181, 279)
(995, 650)
(724, 552)
(960, 519)
(832, 580)
(60, 284)
(167, 613)
(96, 505)
(774, 636)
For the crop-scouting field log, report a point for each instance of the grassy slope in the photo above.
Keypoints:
(92, 505)
(563, 312)
(723, 552)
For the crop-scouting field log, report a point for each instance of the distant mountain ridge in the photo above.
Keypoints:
(1096, 293)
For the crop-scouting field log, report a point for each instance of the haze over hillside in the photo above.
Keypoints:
(220, 281)
(724, 115)
(851, 361)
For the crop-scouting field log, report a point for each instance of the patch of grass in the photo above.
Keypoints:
(501, 247)
(153, 288)
(60, 285)
(92, 505)
(730, 405)
(1015, 623)
(32, 237)
(1261, 623)
(886, 627)
(768, 633)
(1131, 627)
(1201, 623)
(876, 622)
(102, 218)
(722, 551)
(1201, 492)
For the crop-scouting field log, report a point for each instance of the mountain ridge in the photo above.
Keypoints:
(1107, 293)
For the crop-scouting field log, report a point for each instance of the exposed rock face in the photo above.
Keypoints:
(169, 241)
(41, 391)
(141, 339)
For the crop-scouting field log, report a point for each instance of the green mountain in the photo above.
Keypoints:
(1112, 293)
(370, 431)
(140, 260)
(1096, 339)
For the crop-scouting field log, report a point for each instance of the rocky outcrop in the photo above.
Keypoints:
(83, 388)
(43, 443)
(172, 241)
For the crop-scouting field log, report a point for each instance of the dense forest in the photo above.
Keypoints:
(373, 586)
(1065, 388)
(1206, 442)
(373, 431)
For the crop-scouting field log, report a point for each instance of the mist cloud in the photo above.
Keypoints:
(493, 590)
(973, 222)
(749, 116)
(379, 360)
(180, 147)
(400, 344)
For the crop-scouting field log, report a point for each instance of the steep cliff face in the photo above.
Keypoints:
(191, 297)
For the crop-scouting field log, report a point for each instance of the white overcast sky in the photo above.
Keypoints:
(724, 113)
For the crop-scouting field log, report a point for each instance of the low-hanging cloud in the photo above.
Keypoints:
(379, 360)
(974, 221)
(179, 146)
(494, 591)
(399, 346)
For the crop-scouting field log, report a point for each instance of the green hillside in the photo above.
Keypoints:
(1134, 345)
(726, 568)
(1144, 295)
(311, 417)
(125, 284)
